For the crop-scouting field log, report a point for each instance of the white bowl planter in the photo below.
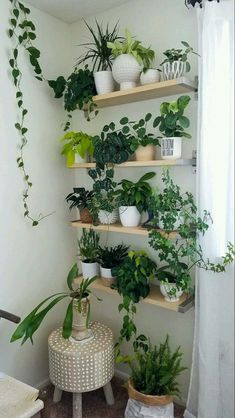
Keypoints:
(129, 215)
(126, 71)
(89, 269)
(104, 82)
(108, 218)
(170, 292)
(106, 276)
(149, 77)
(171, 148)
(145, 153)
(79, 328)
(172, 70)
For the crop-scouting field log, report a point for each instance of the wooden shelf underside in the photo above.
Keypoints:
(154, 298)
(153, 163)
(137, 230)
(150, 91)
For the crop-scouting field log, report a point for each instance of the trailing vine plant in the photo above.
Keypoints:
(22, 32)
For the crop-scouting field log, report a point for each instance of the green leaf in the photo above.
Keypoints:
(68, 321)
(35, 223)
(148, 117)
(73, 273)
(10, 33)
(126, 129)
(147, 176)
(183, 121)
(124, 121)
(156, 122)
(15, 53)
(16, 13)
(13, 22)
(17, 126)
(20, 102)
(24, 130)
(185, 44)
(34, 52)
(12, 62)
(32, 36)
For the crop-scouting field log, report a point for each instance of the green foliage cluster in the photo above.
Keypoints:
(110, 257)
(103, 189)
(88, 246)
(76, 143)
(179, 55)
(172, 121)
(32, 322)
(97, 51)
(137, 133)
(154, 370)
(80, 198)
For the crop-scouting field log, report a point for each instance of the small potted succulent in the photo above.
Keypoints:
(153, 381)
(133, 199)
(88, 246)
(100, 56)
(81, 199)
(77, 315)
(176, 62)
(78, 147)
(172, 124)
(143, 143)
(110, 258)
(130, 58)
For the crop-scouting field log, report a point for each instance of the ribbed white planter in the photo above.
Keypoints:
(171, 70)
(106, 276)
(171, 148)
(79, 328)
(129, 215)
(89, 269)
(104, 82)
(166, 291)
(108, 218)
(145, 153)
(149, 77)
(126, 71)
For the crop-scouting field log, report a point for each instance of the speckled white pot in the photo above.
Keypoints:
(104, 82)
(171, 148)
(171, 70)
(150, 76)
(166, 289)
(126, 71)
(79, 327)
(129, 215)
(107, 218)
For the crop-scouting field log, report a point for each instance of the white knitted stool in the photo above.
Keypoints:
(82, 366)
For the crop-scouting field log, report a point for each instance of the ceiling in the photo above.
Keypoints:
(72, 10)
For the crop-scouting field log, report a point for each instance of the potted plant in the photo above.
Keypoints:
(133, 199)
(130, 57)
(110, 258)
(169, 287)
(98, 53)
(154, 372)
(78, 91)
(81, 199)
(176, 62)
(172, 124)
(143, 143)
(77, 147)
(150, 76)
(77, 315)
(88, 246)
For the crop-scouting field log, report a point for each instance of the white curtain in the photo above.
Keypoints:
(211, 391)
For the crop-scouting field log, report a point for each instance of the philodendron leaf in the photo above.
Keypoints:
(68, 321)
(183, 121)
(147, 176)
(73, 273)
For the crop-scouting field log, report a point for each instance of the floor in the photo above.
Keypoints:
(94, 405)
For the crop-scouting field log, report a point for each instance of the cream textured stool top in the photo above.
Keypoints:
(81, 366)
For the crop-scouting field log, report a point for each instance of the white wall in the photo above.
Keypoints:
(161, 24)
(33, 261)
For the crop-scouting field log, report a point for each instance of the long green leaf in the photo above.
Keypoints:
(68, 321)
(73, 273)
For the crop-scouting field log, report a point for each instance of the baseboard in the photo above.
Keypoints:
(43, 384)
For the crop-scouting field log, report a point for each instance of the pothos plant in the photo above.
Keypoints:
(22, 32)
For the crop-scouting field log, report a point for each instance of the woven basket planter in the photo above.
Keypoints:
(150, 400)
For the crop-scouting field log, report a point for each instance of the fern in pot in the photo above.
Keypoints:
(88, 246)
(133, 199)
(176, 62)
(172, 124)
(130, 58)
(81, 199)
(110, 258)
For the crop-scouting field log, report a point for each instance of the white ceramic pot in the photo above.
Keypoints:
(108, 218)
(104, 82)
(149, 77)
(126, 71)
(89, 269)
(171, 148)
(172, 70)
(106, 276)
(79, 327)
(170, 292)
(79, 159)
(177, 223)
(129, 215)
(145, 153)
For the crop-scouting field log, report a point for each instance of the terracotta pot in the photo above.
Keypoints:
(79, 328)
(145, 153)
(147, 399)
(85, 216)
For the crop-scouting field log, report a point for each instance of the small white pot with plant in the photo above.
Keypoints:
(172, 123)
(169, 284)
(149, 76)
(130, 57)
(143, 142)
(78, 147)
(110, 258)
(133, 199)
(88, 251)
(100, 56)
(176, 62)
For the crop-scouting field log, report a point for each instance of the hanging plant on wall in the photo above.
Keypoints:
(22, 32)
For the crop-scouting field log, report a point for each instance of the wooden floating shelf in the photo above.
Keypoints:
(154, 298)
(137, 230)
(150, 91)
(153, 163)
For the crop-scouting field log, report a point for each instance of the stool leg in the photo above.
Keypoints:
(77, 405)
(108, 393)
(57, 395)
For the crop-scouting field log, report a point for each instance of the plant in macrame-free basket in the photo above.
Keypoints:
(77, 144)
(176, 61)
(75, 322)
(82, 199)
(88, 246)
